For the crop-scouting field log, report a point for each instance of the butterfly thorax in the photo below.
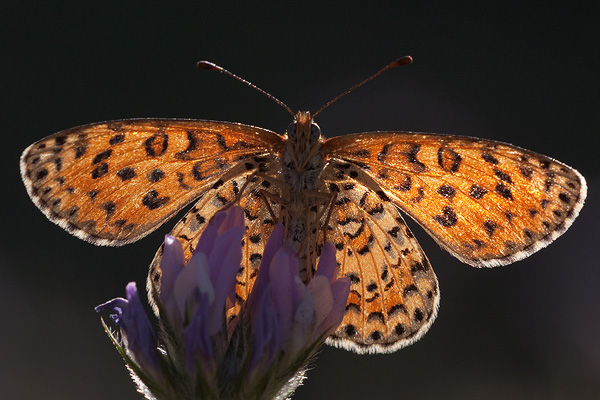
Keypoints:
(302, 163)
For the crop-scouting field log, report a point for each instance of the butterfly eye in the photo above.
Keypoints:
(315, 132)
(291, 131)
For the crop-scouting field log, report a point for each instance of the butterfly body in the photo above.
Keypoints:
(300, 179)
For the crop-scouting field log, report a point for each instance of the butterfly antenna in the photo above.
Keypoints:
(398, 63)
(214, 67)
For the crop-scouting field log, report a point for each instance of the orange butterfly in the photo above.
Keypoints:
(487, 203)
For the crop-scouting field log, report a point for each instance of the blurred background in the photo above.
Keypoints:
(527, 74)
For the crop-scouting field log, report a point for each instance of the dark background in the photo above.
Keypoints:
(525, 74)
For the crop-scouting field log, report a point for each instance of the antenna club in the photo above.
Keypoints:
(402, 61)
(207, 65)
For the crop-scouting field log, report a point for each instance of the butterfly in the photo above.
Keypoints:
(487, 203)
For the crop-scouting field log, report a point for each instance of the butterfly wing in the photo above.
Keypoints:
(258, 221)
(112, 183)
(394, 293)
(487, 203)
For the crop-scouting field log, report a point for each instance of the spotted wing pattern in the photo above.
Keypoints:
(394, 292)
(112, 183)
(258, 221)
(487, 203)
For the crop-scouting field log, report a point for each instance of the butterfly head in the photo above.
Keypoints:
(303, 132)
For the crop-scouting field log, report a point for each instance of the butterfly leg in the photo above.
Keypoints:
(251, 178)
(265, 196)
(274, 198)
(326, 224)
(242, 189)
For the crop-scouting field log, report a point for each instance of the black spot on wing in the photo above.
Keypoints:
(221, 141)
(477, 192)
(80, 151)
(100, 170)
(526, 172)
(119, 138)
(102, 156)
(502, 175)
(411, 157)
(60, 140)
(504, 191)
(157, 144)
(384, 152)
(57, 163)
(155, 175)
(192, 145)
(109, 207)
(406, 184)
(490, 227)
(363, 153)
(41, 174)
(446, 191)
(448, 159)
(487, 157)
(152, 200)
(448, 217)
(126, 173)
(92, 194)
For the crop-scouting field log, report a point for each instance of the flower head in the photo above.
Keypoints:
(290, 315)
(197, 352)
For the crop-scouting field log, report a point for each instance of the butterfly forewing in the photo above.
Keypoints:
(487, 203)
(112, 183)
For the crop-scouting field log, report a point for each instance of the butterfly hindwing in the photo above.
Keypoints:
(247, 190)
(394, 292)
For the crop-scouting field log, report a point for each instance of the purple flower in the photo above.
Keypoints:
(137, 333)
(210, 272)
(196, 352)
(289, 317)
(195, 295)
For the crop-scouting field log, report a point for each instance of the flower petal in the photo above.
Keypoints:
(171, 265)
(198, 347)
(117, 306)
(283, 271)
(320, 291)
(209, 236)
(224, 263)
(220, 223)
(303, 325)
(326, 266)
(190, 284)
(136, 331)
(274, 243)
(141, 340)
(340, 289)
(265, 338)
(234, 216)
